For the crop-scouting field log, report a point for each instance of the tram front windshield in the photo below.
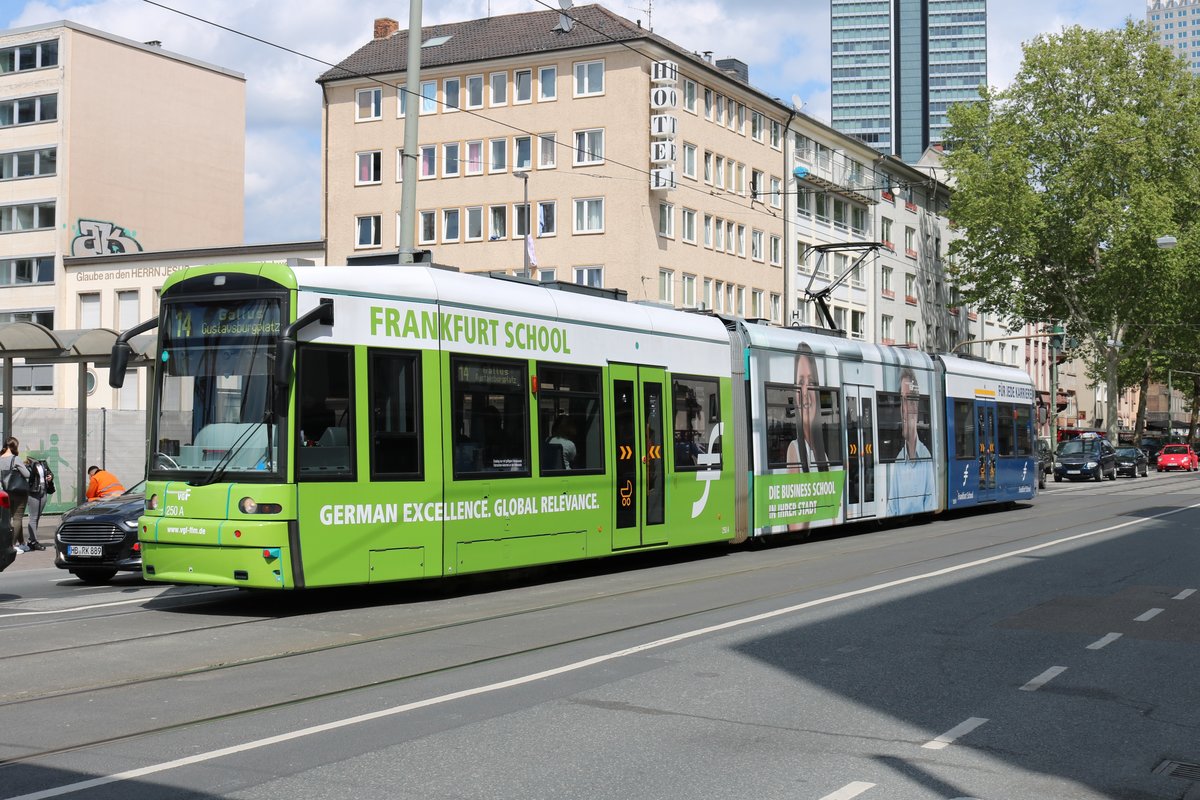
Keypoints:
(216, 418)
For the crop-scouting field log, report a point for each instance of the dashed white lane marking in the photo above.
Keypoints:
(959, 730)
(345, 722)
(849, 791)
(1108, 638)
(1149, 615)
(1043, 679)
(1184, 595)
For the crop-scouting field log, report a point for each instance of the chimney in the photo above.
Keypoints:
(736, 68)
(385, 27)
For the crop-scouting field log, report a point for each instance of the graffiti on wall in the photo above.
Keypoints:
(97, 238)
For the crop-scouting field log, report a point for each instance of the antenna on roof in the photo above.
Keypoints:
(648, 10)
(565, 23)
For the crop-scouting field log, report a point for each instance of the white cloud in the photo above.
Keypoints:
(785, 45)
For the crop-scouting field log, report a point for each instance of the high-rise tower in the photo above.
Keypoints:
(898, 65)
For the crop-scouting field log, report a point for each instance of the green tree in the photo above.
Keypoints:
(1064, 181)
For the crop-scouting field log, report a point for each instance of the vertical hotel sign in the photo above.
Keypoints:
(664, 98)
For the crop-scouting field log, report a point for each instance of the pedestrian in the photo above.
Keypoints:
(14, 477)
(102, 483)
(41, 486)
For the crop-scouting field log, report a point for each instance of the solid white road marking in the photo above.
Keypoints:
(1043, 679)
(1184, 595)
(1149, 615)
(257, 744)
(109, 605)
(849, 791)
(1108, 638)
(961, 729)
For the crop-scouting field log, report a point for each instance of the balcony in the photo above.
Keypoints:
(911, 299)
(909, 205)
(910, 252)
(890, 294)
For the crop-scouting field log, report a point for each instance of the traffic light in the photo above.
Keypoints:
(1057, 334)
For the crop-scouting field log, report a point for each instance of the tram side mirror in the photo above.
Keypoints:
(119, 363)
(283, 362)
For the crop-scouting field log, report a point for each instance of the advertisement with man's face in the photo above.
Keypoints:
(906, 440)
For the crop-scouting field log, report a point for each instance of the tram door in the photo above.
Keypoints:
(985, 441)
(638, 453)
(860, 451)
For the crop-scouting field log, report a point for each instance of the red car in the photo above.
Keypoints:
(1177, 456)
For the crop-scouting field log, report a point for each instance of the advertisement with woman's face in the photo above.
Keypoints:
(906, 443)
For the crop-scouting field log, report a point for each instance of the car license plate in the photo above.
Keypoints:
(85, 550)
(1072, 472)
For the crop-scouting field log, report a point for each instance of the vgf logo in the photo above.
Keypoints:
(181, 494)
(708, 459)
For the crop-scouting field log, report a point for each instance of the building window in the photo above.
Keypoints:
(520, 220)
(428, 97)
(589, 215)
(369, 102)
(26, 217)
(756, 303)
(719, 172)
(756, 245)
(475, 157)
(28, 163)
(426, 228)
(523, 86)
(706, 294)
(450, 220)
(688, 285)
(35, 55)
(756, 126)
(368, 231)
(776, 251)
(689, 95)
(499, 161)
(708, 230)
(776, 134)
(450, 160)
(910, 242)
(590, 276)
(910, 288)
(885, 233)
(910, 331)
(370, 165)
(497, 222)
(450, 94)
(688, 221)
(522, 153)
(547, 151)
(45, 317)
(25, 271)
(885, 329)
(474, 91)
(708, 167)
(885, 282)
(428, 161)
(547, 218)
(499, 85)
(666, 286)
(589, 78)
(666, 220)
(474, 224)
(858, 324)
(689, 160)
(547, 83)
(776, 308)
(589, 147)
(401, 102)
(776, 193)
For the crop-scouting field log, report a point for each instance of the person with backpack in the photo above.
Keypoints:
(41, 486)
(14, 477)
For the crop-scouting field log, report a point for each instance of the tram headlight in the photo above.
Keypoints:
(152, 502)
(248, 505)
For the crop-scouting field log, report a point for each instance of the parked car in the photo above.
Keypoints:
(1132, 461)
(1177, 456)
(1045, 461)
(8, 551)
(1085, 459)
(99, 539)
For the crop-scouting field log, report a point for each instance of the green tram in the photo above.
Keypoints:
(323, 426)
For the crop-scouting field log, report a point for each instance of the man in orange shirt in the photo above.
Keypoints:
(102, 483)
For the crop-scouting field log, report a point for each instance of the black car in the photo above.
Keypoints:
(1085, 459)
(8, 552)
(1132, 462)
(98, 539)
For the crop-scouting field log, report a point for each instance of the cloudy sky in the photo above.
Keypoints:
(785, 44)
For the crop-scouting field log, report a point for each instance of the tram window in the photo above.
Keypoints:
(394, 383)
(964, 429)
(490, 414)
(1006, 444)
(570, 422)
(821, 445)
(696, 412)
(891, 424)
(325, 421)
(1023, 415)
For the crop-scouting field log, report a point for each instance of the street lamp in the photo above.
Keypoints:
(524, 176)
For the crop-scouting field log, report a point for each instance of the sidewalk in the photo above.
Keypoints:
(39, 559)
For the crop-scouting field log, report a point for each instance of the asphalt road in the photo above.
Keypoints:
(1047, 651)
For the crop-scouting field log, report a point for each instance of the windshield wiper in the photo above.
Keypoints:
(219, 469)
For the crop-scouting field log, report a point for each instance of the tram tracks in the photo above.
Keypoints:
(635, 586)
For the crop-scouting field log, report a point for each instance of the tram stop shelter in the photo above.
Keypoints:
(37, 344)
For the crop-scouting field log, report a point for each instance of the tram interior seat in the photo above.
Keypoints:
(332, 453)
(552, 456)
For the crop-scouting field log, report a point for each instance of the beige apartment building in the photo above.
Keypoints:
(648, 167)
(107, 146)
